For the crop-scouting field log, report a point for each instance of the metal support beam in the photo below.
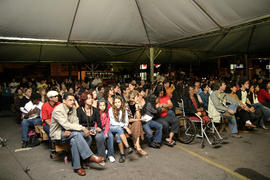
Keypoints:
(146, 32)
(152, 51)
(246, 65)
(74, 17)
(250, 38)
(40, 52)
(208, 15)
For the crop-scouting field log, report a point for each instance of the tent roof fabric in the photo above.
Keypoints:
(86, 31)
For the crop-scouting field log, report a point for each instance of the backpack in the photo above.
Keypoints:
(33, 139)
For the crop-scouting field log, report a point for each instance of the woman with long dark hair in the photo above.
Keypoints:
(165, 118)
(88, 116)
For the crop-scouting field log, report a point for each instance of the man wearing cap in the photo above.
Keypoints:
(46, 112)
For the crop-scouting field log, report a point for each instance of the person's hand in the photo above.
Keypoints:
(199, 113)
(231, 111)
(143, 119)
(106, 135)
(98, 129)
(252, 109)
(67, 133)
(92, 132)
(242, 106)
(200, 109)
(86, 131)
(128, 130)
(47, 122)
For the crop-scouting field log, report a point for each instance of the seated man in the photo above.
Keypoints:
(204, 94)
(46, 112)
(220, 100)
(31, 116)
(65, 127)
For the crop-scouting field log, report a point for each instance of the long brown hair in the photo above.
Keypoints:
(116, 111)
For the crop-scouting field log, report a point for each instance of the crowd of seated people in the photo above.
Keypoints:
(77, 113)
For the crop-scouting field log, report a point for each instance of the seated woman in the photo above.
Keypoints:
(243, 113)
(263, 94)
(88, 116)
(95, 99)
(118, 123)
(148, 112)
(192, 106)
(135, 122)
(165, 118)
(253, 101)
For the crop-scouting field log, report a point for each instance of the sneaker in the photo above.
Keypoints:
(155, 145)
(24, 144)
(129, 150)
(122, 158)
(111, 159)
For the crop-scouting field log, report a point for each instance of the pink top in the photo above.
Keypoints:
(105, 122)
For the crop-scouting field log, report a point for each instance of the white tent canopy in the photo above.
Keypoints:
(60, 27)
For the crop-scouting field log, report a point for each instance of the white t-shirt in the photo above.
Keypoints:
(244, 97)
(30, 106)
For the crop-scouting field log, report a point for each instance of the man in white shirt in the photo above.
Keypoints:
(31, 116)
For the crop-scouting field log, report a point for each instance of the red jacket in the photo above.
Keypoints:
(263, 96)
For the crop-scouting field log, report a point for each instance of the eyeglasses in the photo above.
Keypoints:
(54, 96)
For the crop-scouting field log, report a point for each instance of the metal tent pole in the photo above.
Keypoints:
(152, 50)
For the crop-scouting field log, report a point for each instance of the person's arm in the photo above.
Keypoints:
(169, 105)
(266, 95)
(216, 102)
(126, 119)
(112, 119)
(107, 126)
(62, 120)
(44, 116)
(231, 100)
(188, 106)
(79, 115)
(150, 108)
(97, 117)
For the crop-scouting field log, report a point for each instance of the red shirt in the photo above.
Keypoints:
(46, 111)
(163, 100)
(105, 122)
(263, 96)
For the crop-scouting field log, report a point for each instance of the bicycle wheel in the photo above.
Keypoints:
(187, 131)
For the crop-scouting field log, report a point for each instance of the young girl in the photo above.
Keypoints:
(118, 122)
(105, 126)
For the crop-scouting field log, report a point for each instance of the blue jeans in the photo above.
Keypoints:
(232, 121)
(25, 125)
(100, 141)
(169, 121)
(149, 134)
(265, 110)
(117, 130)
(46, 128)
(80, 146)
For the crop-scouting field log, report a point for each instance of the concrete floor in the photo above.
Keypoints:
(243, 158)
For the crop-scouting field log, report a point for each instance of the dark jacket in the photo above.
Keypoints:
(87, 121)
(150, 110)
(189, 108)
(239, 94)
